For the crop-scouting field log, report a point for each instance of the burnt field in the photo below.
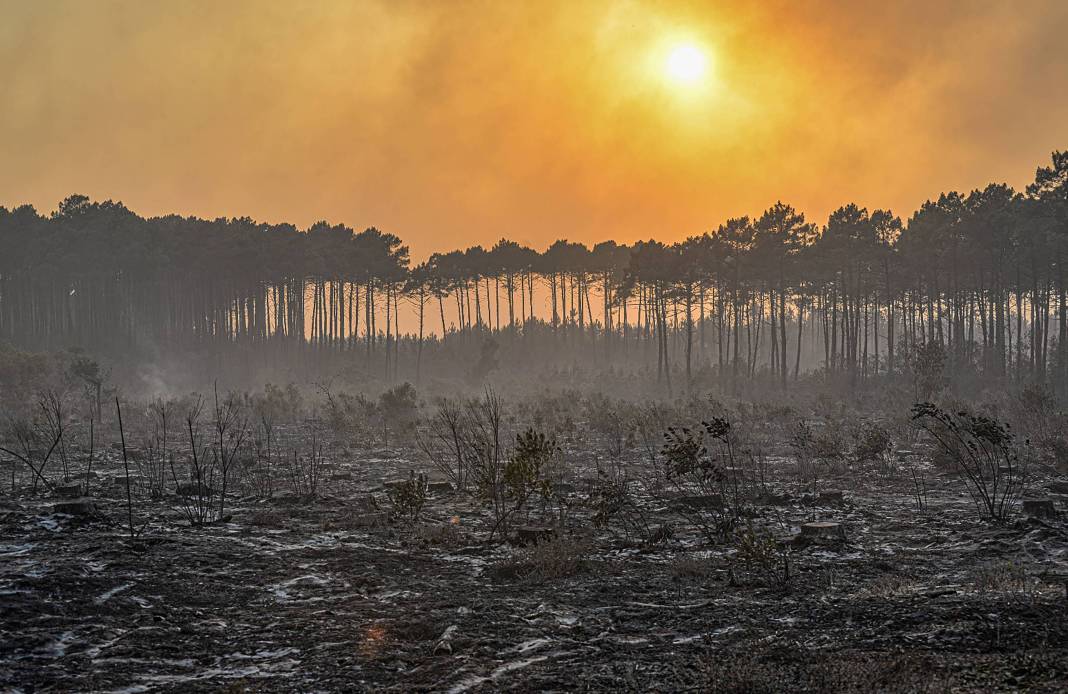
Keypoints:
(748, 554)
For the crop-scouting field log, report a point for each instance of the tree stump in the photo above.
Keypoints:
(833, 498)
(772, 499)
(71, 490)
(533, 534)
(1059, 487)
(75, 507)
(1039, 508)
(823, 531)
(439, 487)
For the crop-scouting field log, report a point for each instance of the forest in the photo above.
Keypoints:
(773, 296)
(775, 457)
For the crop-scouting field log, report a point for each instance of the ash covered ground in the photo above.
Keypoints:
(613, 581)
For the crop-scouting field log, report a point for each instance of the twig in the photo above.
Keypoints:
(126, 465)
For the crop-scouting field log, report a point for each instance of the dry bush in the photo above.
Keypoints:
(690, 568)
(653, 420)
(409, 497)
(197, 492)
(165, 424)
(613, 503)
(819, 446)
(873, 445)
(447, 535)
(891, 584)
(443, 440)
(306, 472)
(555, 414)
(760, 428)
(559, 557)
(279, 405)
(759, 555)
(527, 472)
(267, 518)
(348, 417)
(1036, 413)
(398, 408)
(360, 519)
(802, 670)
(1006, 577)
(983, 452)
(613, 422)
(702, 463)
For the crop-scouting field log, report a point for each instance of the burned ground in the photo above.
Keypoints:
(301, 594)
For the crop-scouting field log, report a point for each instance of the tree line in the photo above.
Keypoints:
(979, 277)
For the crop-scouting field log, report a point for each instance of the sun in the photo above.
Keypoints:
(686, 64)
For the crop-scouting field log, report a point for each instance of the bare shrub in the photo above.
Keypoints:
(197, 493)
(485, 455)
(693, 469)
(152, 467)
(272, 411)
(613, 421)
(306, 471)
(816, 445)
(613, 503)
(257, 467)
(758, 428)
(443, 442)
(918, 480)
(467, 443)
(231, 428)
(983, 452)
(36, 440)
(652, 421)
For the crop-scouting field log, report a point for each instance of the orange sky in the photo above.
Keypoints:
(452, 123)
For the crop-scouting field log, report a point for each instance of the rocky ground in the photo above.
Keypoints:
(319, 594)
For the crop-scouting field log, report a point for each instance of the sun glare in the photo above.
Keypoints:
(686, 64)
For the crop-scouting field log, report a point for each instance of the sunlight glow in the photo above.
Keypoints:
(686, 64)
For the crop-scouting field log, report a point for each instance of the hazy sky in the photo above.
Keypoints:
(452, 123)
